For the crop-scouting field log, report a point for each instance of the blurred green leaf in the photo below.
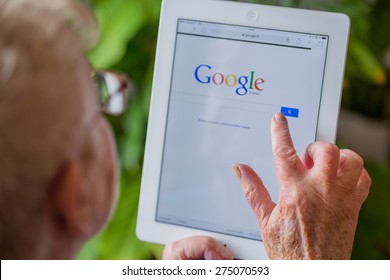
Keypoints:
(364, 65)
(119, 21)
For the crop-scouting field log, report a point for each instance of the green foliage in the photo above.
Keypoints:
(128, 41)
(120, 20)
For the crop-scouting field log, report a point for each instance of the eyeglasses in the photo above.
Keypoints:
(114, 91)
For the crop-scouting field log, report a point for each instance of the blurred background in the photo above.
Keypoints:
(128, 43)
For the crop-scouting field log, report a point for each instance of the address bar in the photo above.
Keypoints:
(258, 37)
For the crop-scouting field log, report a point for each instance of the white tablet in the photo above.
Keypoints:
(223, 69)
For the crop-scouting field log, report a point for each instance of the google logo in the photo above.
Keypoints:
(205, 75)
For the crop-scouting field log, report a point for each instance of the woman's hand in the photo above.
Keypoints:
(320, 198)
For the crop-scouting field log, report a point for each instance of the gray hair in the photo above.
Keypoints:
(42, 113)
(75, 15)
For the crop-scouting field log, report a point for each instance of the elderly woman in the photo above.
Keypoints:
(58, 166)
(58, 163)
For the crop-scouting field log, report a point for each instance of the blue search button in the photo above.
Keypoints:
(290, 112)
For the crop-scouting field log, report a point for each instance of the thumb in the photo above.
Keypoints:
(197, 248)
(255, 192)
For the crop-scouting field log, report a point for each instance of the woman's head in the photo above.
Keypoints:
(57, 157)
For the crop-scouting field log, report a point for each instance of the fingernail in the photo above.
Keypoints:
(279, 117)
(225, 253)
(236, 170)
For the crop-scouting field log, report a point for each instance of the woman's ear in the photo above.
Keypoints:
(72, 204)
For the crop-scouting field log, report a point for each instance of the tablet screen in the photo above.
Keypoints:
(227, 83)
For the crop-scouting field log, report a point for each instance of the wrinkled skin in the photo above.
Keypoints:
(319, 200)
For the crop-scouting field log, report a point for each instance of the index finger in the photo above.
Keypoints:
(287, 162)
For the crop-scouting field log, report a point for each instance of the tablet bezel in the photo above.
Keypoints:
(334, 25)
